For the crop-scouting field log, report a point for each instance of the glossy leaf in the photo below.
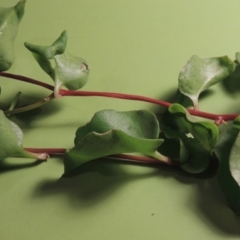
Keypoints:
(11, 139)
(111, 132)
(9, 23)
(69, 71)
(223, 150)
(200, 74)
(197, 138)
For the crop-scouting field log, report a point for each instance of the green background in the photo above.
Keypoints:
(132, 46)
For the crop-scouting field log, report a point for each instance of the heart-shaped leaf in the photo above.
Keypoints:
(69, 71)
(110, 132)
(197, 138)
(200, 74)
(9, 23)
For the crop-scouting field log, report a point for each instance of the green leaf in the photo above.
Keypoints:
(197, 138)
(49, 52)
(200, 74)
(9, 23)
(11, 139)
(110, 132)
(223, 150)
(69, 71)
(95, 145)
(140, 124)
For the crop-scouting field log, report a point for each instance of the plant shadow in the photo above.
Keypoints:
(90, 184)
(97, 181)
(26, 118)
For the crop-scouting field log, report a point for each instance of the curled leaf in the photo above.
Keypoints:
(110, 132)
(9, 23)
(200, 74)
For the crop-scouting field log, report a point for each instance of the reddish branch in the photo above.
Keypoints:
(218, 118)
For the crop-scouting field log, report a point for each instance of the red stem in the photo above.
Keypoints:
(215, 117)
(26, 79)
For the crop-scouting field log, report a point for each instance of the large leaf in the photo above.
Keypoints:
(228, 136)
(197, 138)
(95, 145)
(200, 74)
(11, 139)
(69, 71)
(110, 132)
(9, 22)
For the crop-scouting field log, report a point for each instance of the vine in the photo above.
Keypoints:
(196, 143)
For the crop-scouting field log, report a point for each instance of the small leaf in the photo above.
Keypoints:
(110, 132)
(197, 138)
(69, 71)
(11, 139)
(200, 74)
(223, 150)
(9, 23)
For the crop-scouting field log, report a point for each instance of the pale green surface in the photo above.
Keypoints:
(135, 47)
